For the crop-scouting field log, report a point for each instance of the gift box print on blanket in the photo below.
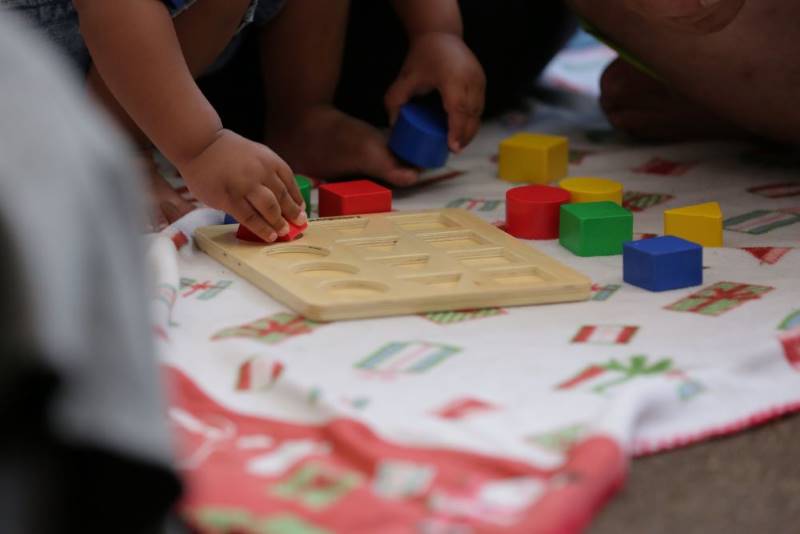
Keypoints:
(473, 421)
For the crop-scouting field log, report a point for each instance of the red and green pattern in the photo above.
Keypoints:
(637, 201)
(559, 441)
(719, 298)
(317, 485)
(605, 334)
(767, 255)
(451, 317)
(791, 321)
(272, 329)
(760, 222)
(241, 520)
(476, 204)
(791, 347)
(638, 367)
(603, 293)
(778, 190)
(206, 290)
(664, 167)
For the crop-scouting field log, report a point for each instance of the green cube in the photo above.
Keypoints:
(305, 185)
(595, 228)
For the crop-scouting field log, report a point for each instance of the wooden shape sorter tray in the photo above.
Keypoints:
(397, 263)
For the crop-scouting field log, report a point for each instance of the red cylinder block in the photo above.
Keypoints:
(533, 211)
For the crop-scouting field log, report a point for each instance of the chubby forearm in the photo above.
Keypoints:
(426, 16)
(136, 51)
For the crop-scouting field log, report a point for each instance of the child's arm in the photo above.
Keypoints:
(702, 16)
(439, 59)
(135, 49)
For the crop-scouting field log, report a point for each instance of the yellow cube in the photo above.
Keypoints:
(592, 190)
(701, 224)
(533, 158)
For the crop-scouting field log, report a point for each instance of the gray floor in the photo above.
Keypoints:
(748, 483)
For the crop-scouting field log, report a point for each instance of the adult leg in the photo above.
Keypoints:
(203, 30)
(646, 108)
(747, 74)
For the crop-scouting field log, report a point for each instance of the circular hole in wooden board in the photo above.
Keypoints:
(295, 253)
(355, 289)
(324, 270)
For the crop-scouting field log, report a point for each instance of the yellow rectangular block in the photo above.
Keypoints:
(701, 224)
(533, 158)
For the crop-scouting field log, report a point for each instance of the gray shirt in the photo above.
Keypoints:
(80, 398)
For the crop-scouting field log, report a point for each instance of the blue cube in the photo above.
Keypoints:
(662, 263)
(419, 136)
(229, 219)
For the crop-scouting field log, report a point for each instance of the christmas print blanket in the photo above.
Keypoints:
(517, 420)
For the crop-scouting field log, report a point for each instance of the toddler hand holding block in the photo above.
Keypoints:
(419, 137)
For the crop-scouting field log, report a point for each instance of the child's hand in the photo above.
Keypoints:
(703, 16)
(249, 181)
(442, 61)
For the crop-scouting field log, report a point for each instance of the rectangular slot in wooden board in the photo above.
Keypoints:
(397, 263)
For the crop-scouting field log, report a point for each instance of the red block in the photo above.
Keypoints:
(245, 234)
(533, 211)
(353, 198)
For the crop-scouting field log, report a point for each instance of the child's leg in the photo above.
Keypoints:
(302, 55)
(747, 74)
(204, 30)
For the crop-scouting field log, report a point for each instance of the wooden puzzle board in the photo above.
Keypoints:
(397, 263)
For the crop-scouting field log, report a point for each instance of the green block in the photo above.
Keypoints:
(305, 185)
(595, 228)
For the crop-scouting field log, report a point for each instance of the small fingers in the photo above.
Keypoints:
(265, 201)
(289, 197)
(247, 215)
(399, 94)
(459, 112)
(477, 100)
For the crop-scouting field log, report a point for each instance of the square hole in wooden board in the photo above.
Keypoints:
(488, 257)
(420, 222)
(407, 262)
(516, 276)
(355, 225)
(455, 240)
(437, 280)
(379, 244)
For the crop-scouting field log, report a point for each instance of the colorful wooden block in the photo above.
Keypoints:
(533, 211)
(701, 223)
(533, 158)
(245, 234)
(419, 136)
(353, 198)
(595, 228)
(229, 219)
(662, 263)
(593, 190)
(305, 185)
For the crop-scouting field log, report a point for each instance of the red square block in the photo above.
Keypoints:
(353, 198)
